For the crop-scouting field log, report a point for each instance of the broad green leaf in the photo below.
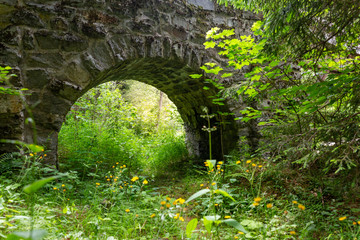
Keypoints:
(28, 235)
(211, 164)
(224, 193)
(255, 78)
(191, 226)
(210, 44)
(197, 194)
(251, 224)
(35, 148)
(235, 224)
(207, 224)
(274, 63)
(65, 210)
(31, 188)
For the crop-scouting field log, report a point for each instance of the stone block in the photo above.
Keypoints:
(44, 60)
(27, 17)
(36, 79)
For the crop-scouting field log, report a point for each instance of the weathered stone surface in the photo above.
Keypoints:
(61, 49)
(36, 78)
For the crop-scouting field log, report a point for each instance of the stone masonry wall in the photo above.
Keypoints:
(61, 49)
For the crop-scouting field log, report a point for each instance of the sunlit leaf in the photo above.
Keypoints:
(191, 226)
(31, 188)
(197, 194)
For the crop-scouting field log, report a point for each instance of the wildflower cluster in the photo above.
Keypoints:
(300, 206)
(120, 180)
(38, 155)
(354, 222)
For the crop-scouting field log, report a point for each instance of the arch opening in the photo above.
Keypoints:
(128, 123)
(170, 76)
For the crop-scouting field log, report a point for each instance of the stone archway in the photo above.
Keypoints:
(61, 49)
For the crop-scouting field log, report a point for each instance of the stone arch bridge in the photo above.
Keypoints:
(61, 49)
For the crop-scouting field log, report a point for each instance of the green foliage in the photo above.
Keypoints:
(104, 128)
(307, 113)
(297, 28)
(5, 76)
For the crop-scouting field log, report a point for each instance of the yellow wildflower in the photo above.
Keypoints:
(260, 166)
(63, 185)
(201, 185)
(294, 202)
(269, 205)
(354, 223)
(236, 237)
(55, 188)
(254, 165)
(181, 219)
(292, 232)
(302, 207)
(257, 199)
(163, 203)
(238, 162)
(227, 217)
(221, 162)
(180, 200)
(145, 182)
(31, 154)
(134, 178)
(153, 215)
(241, 233)
(255, 204)
(167, 198)
(213, 183)
(168, 205)
(358, 222)
(248, 161)
(247, 170)
(342, 218)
